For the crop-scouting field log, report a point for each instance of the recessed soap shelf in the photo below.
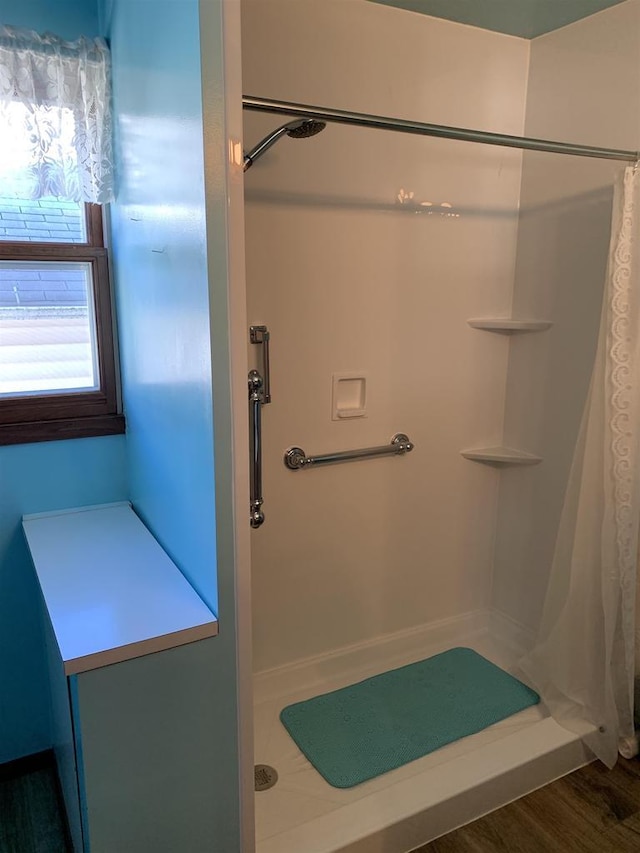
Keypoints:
(508, 326)
(349, 395)
(501, 456)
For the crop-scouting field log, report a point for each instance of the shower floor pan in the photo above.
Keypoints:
(407, 807)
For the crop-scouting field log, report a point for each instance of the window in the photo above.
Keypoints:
(57, 371)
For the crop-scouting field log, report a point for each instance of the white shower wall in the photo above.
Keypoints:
(584, 86)
(347, 278)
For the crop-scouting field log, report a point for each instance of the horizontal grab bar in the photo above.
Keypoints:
(295, 458)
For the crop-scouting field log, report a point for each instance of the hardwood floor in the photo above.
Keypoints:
(594, 810)
(30, 812)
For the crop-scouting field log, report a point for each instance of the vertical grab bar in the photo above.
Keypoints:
(256, 400)
(259, 395)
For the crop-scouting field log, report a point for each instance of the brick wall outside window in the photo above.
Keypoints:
(41, 221)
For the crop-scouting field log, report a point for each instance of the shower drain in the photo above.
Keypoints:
(265, 777)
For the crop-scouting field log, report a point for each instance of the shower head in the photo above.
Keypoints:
(299, 129)
(304, 128)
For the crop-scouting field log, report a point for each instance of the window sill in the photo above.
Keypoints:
(61, 430)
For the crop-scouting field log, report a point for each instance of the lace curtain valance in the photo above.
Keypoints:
(55, 120)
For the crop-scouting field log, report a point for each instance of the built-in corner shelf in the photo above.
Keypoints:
(501, 456)
(506, 326)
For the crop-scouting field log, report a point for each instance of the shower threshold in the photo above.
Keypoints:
(405, 808)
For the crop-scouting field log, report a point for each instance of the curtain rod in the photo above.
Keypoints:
(266, 105)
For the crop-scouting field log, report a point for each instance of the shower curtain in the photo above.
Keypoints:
(584, 661)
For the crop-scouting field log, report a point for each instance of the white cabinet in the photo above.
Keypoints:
(129, 647)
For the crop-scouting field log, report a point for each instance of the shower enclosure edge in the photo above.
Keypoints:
(222, 121)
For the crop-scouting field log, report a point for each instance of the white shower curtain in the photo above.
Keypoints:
(584, 661)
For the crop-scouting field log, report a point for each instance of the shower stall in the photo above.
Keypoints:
(440, 288)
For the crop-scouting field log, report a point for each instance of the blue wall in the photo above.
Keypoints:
(160, 248)
(40, 477)
(36, 478)
(67, 18)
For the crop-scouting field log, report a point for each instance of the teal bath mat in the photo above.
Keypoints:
(361, 731)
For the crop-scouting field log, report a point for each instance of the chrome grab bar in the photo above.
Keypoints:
(256, 400)
(295, 458)
(259, 395)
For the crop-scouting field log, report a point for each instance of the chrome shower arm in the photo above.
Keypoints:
(264, 145)
(298, 129)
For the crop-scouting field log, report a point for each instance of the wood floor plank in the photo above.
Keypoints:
(31, 816)
(47, 825)
(561, 805)
(566, 818)
(15, 835)
(625, 837)
(510, 830)
(594, 810)
(595, 784)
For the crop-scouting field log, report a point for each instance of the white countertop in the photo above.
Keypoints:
(111, 591)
